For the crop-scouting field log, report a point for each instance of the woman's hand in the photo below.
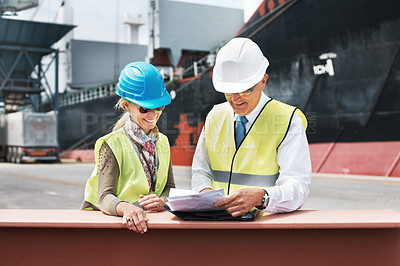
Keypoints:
(133, 218)
(152, 202)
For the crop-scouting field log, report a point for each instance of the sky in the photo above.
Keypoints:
(97, 20)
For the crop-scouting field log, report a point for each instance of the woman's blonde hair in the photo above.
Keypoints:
(121, 121)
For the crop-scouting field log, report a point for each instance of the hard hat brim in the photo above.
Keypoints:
(150, 104)
(232, 87)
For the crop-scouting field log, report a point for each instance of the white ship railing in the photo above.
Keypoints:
(88, 94)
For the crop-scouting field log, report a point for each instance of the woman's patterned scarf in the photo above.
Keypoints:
(147, 145)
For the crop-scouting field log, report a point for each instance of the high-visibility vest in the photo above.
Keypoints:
(254, 162)
(132, 179)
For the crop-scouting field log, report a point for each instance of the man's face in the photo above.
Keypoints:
(244, 105)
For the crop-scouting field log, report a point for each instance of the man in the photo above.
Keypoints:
(252, 146)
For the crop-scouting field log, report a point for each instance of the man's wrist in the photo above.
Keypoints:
(264, 201)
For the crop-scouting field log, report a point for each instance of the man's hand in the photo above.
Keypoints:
(241, 201)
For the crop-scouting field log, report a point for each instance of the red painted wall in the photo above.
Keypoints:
(362, 158)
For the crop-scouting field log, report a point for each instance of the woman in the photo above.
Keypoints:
(133, 163)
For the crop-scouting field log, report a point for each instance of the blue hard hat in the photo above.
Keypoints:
(142, 84)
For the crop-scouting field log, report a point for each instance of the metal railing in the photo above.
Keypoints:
(88, 94)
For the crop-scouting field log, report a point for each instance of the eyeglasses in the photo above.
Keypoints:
(244, 93)
(145, 110)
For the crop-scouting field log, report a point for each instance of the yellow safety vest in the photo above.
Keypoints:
(254, 163)
(132, 180)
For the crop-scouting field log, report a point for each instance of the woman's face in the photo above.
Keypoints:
(146, 121)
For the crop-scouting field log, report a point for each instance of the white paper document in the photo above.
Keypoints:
(187, 201)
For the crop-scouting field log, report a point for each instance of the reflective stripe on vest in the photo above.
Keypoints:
(245, 179)
(132, 180)
(254, 163)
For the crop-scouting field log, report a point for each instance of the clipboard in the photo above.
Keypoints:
(217, 215)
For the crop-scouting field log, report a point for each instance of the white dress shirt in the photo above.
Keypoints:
(292, 186)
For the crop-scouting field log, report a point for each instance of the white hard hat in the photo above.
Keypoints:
(240, 64)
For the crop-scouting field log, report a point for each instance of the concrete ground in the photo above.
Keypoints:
(61, 186)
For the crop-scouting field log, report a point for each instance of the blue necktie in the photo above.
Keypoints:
(240, 129)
